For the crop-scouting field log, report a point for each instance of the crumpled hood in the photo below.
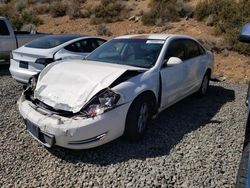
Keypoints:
(71, 84)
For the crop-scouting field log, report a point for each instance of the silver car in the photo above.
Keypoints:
(31, 58)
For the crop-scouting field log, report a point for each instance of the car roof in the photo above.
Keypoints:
(152, 36)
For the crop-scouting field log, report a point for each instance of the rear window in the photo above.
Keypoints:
(193, 49)
(50, 41)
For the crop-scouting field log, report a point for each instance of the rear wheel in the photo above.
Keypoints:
(204, 85)
(137, 119)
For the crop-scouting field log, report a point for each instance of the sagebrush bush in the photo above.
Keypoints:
(161, 9)
(27, 17)
(103, 30)
(58, 8)
(41, 8)
(166, 11)
(18, 19)
(74, 9)
(20, 5)
(108, 11)
(228, 18)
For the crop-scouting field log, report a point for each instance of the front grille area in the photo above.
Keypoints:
(52, 110)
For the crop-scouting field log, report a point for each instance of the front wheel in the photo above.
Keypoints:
(137, 119)
(204, 85)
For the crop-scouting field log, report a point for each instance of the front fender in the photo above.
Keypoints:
(130, 89)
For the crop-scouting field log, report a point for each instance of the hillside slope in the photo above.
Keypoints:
(230, 65)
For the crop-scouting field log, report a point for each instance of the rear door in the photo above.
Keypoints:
(172, 76)
(194, 66)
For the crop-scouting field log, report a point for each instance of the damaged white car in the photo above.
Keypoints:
(115, 91)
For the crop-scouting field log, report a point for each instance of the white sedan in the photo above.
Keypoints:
(118, 88)
(31, 58)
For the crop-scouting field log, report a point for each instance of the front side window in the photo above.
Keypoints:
(175, 49)
(135, 52)
(3, 28)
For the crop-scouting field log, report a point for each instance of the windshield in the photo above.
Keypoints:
(135, 52)
(51, 41)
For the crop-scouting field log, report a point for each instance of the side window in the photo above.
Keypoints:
(3, 28)
(202, 51)
(193, 49)
(74, 47)
(89, 45)
(100, 42)
(175, 49)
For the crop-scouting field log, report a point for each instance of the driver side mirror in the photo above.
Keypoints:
(245, 34)
(172, 61)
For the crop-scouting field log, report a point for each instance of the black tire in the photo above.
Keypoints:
(204, 85)
(136, 122)
(241, 181)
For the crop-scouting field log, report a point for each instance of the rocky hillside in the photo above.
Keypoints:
(112, 18)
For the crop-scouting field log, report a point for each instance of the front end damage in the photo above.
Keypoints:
(79, 111)
(74, 131)
(97, 123)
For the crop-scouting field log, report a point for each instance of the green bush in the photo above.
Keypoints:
(228, 18)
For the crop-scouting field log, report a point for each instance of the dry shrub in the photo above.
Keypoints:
(108, 11)
(41, 8)
(58, 9)
(19, 19)
(228, 18)
(103, 30)
(166, 11)
(20, 5)
(74, 9)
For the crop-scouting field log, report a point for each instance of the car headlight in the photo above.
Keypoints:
(30, 87)
(101, 103)
(33, 83)
(44, 61)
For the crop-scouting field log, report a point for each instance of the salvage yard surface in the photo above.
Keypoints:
(195, 143)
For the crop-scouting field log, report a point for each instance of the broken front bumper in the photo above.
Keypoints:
(76, 132)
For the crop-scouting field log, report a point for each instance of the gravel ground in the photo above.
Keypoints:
(195, 143)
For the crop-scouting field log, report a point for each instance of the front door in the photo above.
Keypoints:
(172, 76)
